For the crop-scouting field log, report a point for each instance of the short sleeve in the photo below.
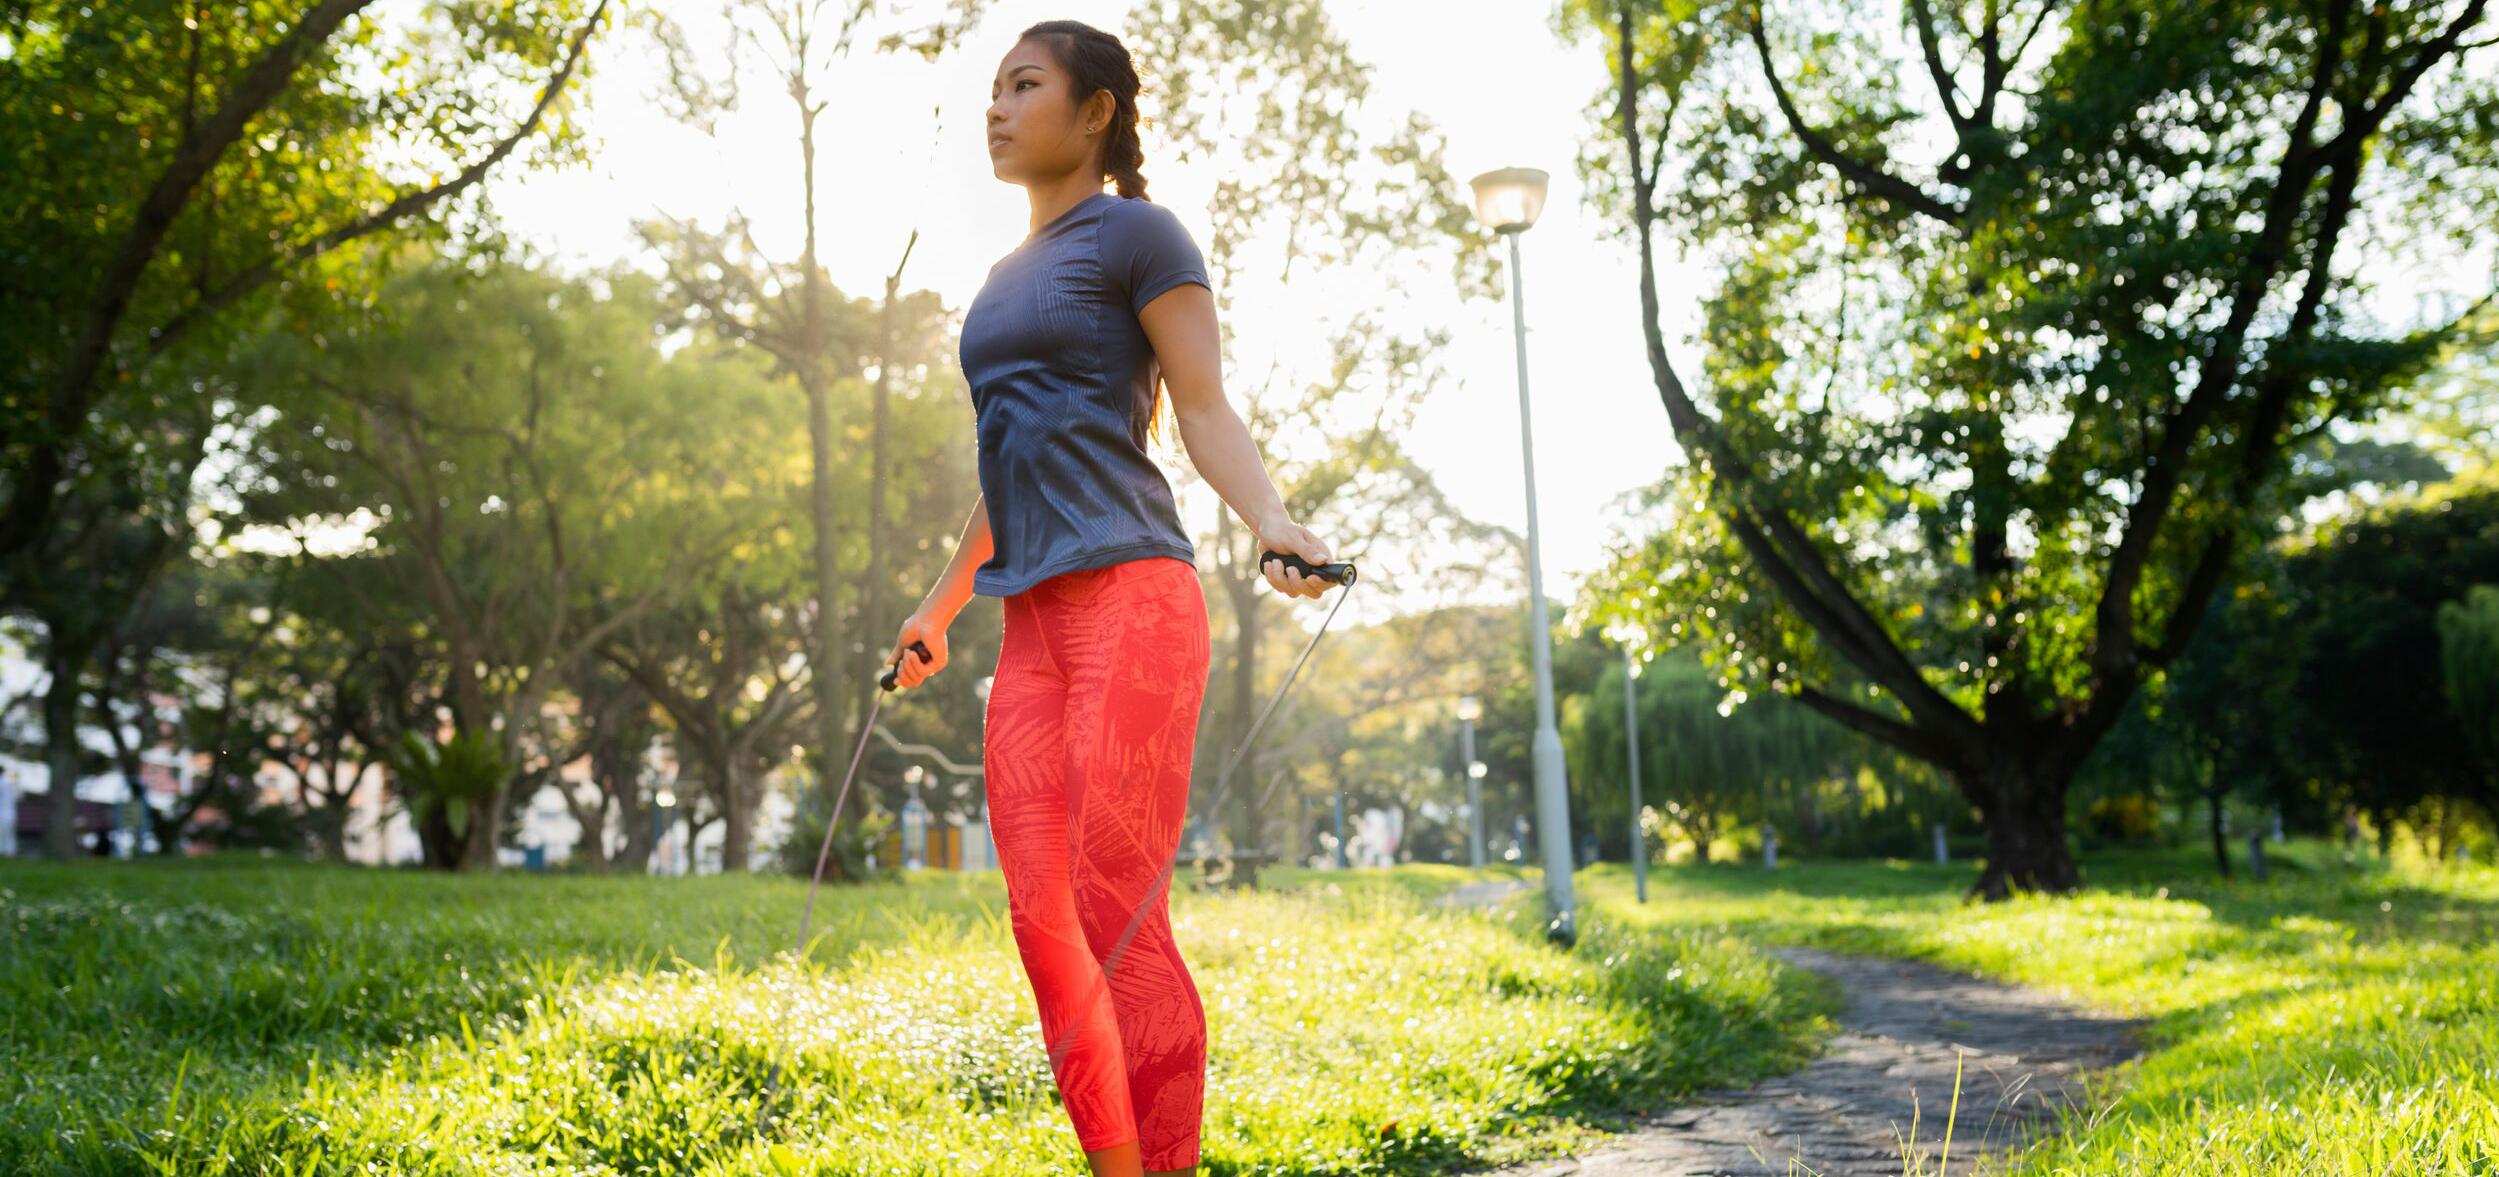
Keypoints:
(1146, 251)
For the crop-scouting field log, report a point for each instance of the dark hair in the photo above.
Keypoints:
(1096, 61)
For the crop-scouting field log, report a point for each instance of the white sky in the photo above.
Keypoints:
(1491, 75)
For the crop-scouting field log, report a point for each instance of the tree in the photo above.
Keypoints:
(2468, 664)
(611, 722)
(2373, 713)
(1986, 423)
(140, 663)
(169, 163)
(731, 686)
(506, 437)
(117, 535)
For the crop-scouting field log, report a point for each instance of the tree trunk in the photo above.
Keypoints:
(2221, 843)
(485, 830)
(333, 835)
(827, 654)
(872, 579)
(634, 857)
(61, 748)
(737, 813)
(438, 848)
(2024, 815)
(1243, 818)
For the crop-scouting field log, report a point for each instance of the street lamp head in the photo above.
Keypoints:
(1470, 708)
(981, 685)
(667, 797)
(914, 774)
(1477, 770)
(1508, 199)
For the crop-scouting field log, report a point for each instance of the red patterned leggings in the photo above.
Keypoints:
(1091, 720)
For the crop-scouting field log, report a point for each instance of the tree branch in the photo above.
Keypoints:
(1906, 737)
(1932, 48)
(1866, 176)
(406, 205)
(2431, 52)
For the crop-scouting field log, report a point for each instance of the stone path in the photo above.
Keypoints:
(1479, 894)
(1849, 1112)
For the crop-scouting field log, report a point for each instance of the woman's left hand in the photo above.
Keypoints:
(1290, 537)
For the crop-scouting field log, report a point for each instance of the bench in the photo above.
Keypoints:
(1229, 872)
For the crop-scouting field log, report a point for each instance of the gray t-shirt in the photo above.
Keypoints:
(1062, 377)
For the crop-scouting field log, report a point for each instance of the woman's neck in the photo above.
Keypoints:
(1052, 202)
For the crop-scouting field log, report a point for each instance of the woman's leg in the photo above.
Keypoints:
(1024, 771)
(1135, 657)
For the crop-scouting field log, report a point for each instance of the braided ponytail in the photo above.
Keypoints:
(1123, 155)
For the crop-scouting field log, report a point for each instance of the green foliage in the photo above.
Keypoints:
(2128, 817)
(858, 837)
(1712, 769)
(162, 196)
(2374, 717)
(448, 786)
(2468, 664)
(1897, 379)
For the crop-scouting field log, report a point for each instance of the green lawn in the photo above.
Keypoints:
(254, 1017)
(2338, 1019)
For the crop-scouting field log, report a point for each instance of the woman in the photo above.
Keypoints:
(1093, 712)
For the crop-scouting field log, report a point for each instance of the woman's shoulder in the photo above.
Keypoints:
(1138, 213)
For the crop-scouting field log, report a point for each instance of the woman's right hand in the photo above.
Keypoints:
(915, 670)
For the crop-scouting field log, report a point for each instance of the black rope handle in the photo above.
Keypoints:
(893, 673)
(1340, 572)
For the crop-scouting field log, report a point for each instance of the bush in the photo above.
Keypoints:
(851, 845)
(2127, 817)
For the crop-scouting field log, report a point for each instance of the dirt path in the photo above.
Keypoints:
(1480, 894)
(1848, 1113)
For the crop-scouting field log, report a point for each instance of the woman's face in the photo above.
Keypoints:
(1036, 130)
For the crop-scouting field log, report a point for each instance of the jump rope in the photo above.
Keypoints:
(1339, 573)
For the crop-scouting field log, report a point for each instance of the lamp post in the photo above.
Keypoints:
(1469, 709)
(914, 820)
(667, 801)
(1475, 805)
(1631, 751)
(1507, 200)
(1340, 827)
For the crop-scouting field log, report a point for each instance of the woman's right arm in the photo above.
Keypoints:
(953, 590)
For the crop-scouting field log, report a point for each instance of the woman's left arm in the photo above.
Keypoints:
(1180, 324)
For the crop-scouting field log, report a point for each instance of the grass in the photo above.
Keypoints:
(2339, 1019)
(250, 1017)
